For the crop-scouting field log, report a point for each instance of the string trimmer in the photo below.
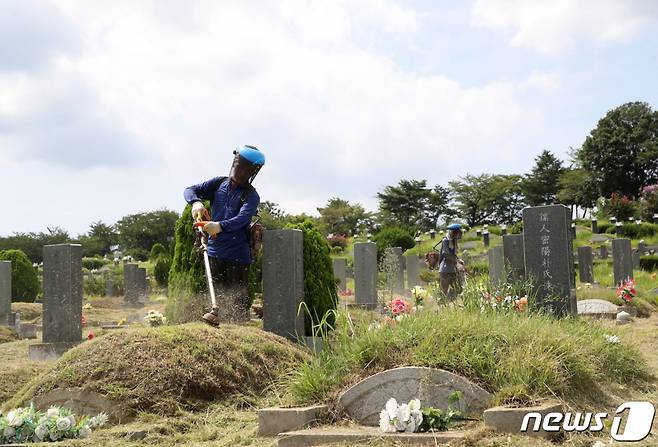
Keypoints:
(201, 243)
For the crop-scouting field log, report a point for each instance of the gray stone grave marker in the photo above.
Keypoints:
(398, 285)
(595, 226)
(585, 266)
(514, 257)
(130, 285)
(283, 283)
(485, 238)
(5, 292)
(340, 272)
(622, 261)
(142, 284)
(603, 252)
(365, 274)
(62, 301)
(635, 256)
(496, 265)
(548, 249)
(413, 271)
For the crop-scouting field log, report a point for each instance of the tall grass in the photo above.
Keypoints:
(518, 357)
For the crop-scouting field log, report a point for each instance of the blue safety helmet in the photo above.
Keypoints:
(251, 154)
(454, 226)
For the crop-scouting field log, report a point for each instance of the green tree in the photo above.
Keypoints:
(138, 232)
(577, 189)
(505, 198)
(24, 279)
(271, 216)
(341, 217)
(98, 240)
(472, 197)
(412, 204)
(541, 185)
(622, 151)
(32, 243)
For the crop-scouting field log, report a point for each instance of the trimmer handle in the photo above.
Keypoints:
(199, 224)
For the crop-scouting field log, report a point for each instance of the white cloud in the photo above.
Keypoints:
(179, 84)
(553, 26)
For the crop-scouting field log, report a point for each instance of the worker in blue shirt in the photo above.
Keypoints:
(234, 202)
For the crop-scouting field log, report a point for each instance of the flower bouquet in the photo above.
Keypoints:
(626, 291)
(397, 308)
(24, 425)
(406, 417)
(155, 318)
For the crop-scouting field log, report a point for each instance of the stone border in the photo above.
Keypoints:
(360, 435)
(273, 421)
(509, 420)
(83, 402)
(49, 352)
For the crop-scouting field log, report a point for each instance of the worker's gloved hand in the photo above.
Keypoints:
(212, 228)
(198, 210)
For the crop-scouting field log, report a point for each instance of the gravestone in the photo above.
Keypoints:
(548, 249)
(496, 265)
(514, 257)
(503, 229)
(109, 285)
(603, 252)
(62, 301)
(5, 292)
(597, 308)
(595, 226)
(585, 264)
(485, 238)
(635, 256)
(131, 291)
(413, 270)
(398, 283)
(622, 262)
(365, 400)
(432, 234)
(642, 247)
(340, 272)
(478, 232)
(619, 229)
(142, 284)
(283, 283)
(365, 274)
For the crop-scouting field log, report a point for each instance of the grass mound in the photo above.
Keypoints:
(162, 370)
(7, 335)
(519, 358)
(29, 311)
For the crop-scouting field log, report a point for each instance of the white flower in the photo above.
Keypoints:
(385, 423)
(392, 408)
(41, 432)
(414, 405)
(417, 417)
(52, 412)
(14, 419)
(9, 432)
(99, 420)
(63, 424)
(85, 431)
(403, 413)
(54, 435)
(612, 338)
(411, 426)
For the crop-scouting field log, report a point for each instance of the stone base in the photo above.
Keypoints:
(272, 421)
(509, 420)
(27, 331)
(49, 352)
(83, 402)
(363, 435)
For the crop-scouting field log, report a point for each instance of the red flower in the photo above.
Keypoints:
(84, 321)
(91, 335)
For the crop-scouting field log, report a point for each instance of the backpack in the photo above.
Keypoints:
(254, 230)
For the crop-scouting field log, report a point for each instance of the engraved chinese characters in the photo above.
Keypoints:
(548, 249)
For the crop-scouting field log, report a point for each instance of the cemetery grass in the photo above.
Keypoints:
(521, 359)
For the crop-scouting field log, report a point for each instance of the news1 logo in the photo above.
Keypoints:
(639, 419)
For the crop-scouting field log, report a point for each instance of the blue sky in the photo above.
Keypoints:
(111, 108)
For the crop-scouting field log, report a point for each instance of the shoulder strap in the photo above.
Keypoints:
(245, 193)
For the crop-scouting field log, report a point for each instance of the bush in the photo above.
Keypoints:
(24, 280)
(639, 231)
(393, 237)
(620, 207)
(94, 263)
(649, 263)
(157, 250)
(161, 267)
(338, 240)
(649, 202)
(516, 228)
(320, 293)
(604, 228)
(94, 285)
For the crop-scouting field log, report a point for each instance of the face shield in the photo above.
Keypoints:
(454, 235)
(243, 172)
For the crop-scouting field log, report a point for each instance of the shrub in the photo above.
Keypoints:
(639, 231)
(605, 228)
(516, 228)
(24, 279)
(94, 285)
(161, 267)
(620, 207)
(157, 250)
(393, 237)
(338, 240)
(94, 263)
(649, 263)
(320, 294)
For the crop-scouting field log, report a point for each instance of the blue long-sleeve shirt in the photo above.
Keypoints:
(233, 216)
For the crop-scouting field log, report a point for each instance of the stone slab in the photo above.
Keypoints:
(83, 403)
(283, 283)
(364, 401)
(496, 265)
(510, 420)
(363, 436)
(49, 352)
(340, 272)
(514, 256)
(597, 308)
(622, 262)
(365, 274)
(272, 421)
(599, 238)
(5, 292)
(27, 331)
(585, 264)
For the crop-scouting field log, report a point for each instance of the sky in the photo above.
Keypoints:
(113, 108)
